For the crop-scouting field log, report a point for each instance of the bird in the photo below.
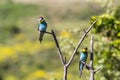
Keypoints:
(42, 26)
(83, 57)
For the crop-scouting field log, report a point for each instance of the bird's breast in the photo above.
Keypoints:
(42, 27)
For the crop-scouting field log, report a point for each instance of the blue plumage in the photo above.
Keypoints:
(42, 26)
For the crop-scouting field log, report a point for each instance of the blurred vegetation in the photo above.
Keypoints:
(108, 55)
(11, 14)
(23, 58)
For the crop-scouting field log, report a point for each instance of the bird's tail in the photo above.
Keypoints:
(80, 68)
(80, 73)
(41, 36)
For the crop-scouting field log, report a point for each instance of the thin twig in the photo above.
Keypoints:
(99, 68)
(58, 47)
(46, 32)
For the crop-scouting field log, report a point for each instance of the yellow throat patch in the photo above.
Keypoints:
(84, 50)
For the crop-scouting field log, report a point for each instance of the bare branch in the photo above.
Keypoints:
(99, 68)
(91, 59)
(46, 32)
(91, 44)
(58, 47)
(80, 42)
(91, 51)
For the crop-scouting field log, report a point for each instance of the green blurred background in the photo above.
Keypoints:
(22, 57)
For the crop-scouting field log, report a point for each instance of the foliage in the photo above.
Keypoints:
(108, 54)
(117, 13)
(107, 25)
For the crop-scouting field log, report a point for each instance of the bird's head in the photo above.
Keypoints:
(40, 19)
(84, 49)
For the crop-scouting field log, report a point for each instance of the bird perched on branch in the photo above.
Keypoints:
(83, 57)
(42, 26)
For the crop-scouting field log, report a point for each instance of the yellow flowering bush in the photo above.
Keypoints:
(65, 34)
(22, 46)
(37, 75)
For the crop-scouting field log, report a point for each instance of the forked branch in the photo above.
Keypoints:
(63, 61)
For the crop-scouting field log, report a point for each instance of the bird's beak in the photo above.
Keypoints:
(39, 19)
(42, 20)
